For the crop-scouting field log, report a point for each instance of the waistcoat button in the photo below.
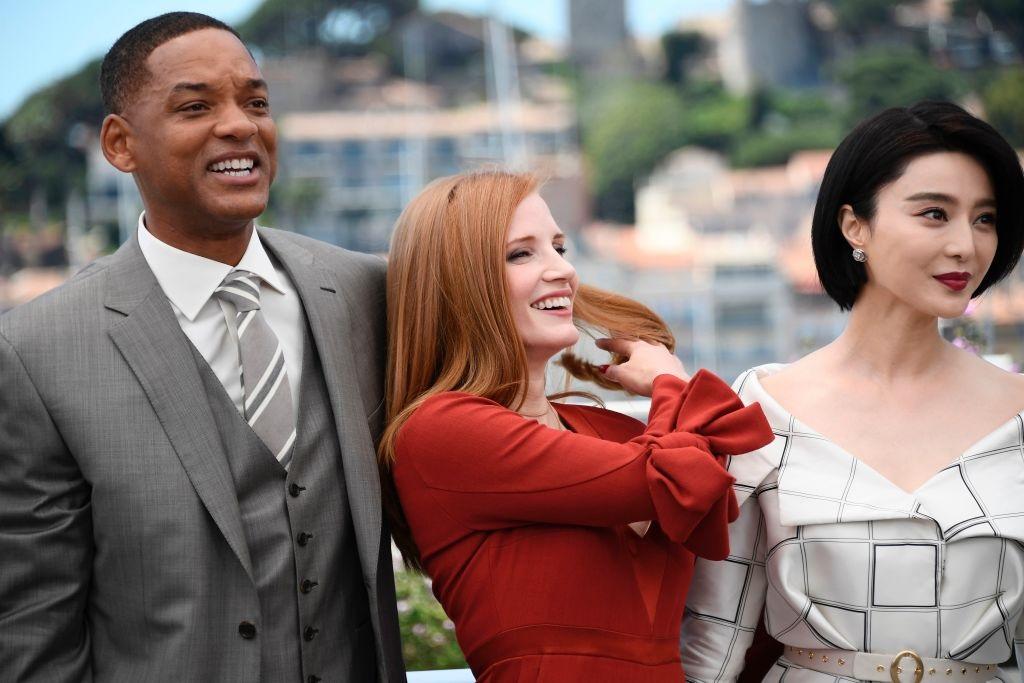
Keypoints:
(310, 633)
(303, 538)
(307, 585)
(247, 630)
(294, 490)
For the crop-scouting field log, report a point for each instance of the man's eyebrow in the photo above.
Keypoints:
(190, 87)
(252, 84)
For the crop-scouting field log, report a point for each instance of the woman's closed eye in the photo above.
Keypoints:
(519, 254)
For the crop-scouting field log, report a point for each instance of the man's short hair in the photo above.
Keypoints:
(124, 67)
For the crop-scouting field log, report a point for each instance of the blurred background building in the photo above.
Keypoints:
(684, 165)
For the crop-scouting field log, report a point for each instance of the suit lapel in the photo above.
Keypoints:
(329, 317)
(158, 352)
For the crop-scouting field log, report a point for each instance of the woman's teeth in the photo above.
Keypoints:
(554, 302)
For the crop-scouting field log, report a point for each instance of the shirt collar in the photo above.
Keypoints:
(189, 280)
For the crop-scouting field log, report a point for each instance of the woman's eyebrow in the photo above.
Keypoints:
(931, 197)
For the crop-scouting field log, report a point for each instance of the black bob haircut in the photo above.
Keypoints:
(124, 67)
(877, 152)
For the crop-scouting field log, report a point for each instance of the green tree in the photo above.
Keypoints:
(348, 27)
(776, 147)
(1004, 105)
(1005, 15)
(39, 151)
(881, 78)
(679, 49)
(859, 19)
(11, 177)
(428, 635)
(627, 130)
(714, 118)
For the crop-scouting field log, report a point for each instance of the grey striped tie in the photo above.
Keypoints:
(268, 396)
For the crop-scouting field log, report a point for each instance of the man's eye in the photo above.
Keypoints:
(260, 104)
(193, 107)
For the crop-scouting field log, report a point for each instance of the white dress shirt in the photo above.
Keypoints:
(189, 280)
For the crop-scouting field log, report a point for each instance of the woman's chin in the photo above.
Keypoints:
(952, 310)
(551, 348)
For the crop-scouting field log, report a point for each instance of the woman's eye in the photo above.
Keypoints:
(986, 219)
(561, 249)
(518, 254)
(934, 214)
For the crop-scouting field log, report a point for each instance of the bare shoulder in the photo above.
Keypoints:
(800, 375)
(990, 379)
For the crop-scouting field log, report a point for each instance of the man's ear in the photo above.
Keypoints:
(115, 140)
(854, 229)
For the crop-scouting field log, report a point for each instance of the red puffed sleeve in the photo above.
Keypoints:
(488, 468)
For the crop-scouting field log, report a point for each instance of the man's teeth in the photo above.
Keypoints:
(554, 302)
(233, 167)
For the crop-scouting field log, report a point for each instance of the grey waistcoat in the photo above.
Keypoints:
(314, 621)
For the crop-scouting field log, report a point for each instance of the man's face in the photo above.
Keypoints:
(201, 138)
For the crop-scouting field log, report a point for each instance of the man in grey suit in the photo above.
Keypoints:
(188, 488)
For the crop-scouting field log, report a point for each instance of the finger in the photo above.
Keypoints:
(612, 372)
(617, 345)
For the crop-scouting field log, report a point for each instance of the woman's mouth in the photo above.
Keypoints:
(558, 305)
(955, 281)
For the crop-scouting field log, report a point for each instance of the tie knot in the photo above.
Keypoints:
(242, 289)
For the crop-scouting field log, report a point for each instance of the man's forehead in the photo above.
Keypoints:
(204, 56)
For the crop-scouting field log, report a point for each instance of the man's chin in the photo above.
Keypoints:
(235, 212)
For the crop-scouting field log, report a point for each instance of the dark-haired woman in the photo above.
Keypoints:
(881, 532)
(519, 509)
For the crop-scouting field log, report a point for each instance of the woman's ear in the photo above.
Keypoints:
(854, 229)
(115, 141)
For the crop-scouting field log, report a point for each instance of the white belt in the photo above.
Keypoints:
(868, 666)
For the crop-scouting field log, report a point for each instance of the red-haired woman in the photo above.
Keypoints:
(520, 509)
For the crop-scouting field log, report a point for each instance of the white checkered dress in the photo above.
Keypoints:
(839, 557)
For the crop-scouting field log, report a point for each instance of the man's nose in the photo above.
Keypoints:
(235, 123)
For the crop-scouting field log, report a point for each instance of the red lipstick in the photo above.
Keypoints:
(955, 281)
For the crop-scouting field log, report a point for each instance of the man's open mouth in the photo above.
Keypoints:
(239, 166)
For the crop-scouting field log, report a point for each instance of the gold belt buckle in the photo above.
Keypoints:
(895, 670)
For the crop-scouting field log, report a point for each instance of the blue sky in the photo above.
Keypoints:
(45, 39)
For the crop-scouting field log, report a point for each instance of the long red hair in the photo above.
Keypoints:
(450, 326)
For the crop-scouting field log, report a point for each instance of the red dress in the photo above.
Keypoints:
(523, 528)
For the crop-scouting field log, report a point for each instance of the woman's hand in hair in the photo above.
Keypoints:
(643, 363)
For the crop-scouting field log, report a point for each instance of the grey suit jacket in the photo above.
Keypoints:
(122, 553)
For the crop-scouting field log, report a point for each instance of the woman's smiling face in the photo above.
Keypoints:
(541, 282)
